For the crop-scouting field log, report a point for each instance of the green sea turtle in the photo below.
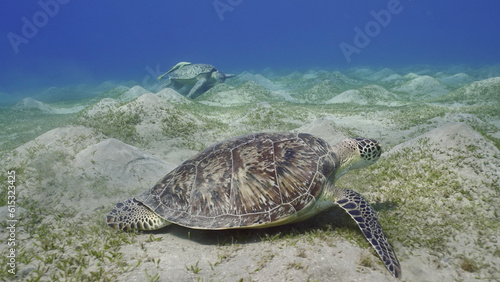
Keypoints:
(257, 181)
(197, 78)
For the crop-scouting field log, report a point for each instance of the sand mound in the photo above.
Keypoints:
(247, 93)
(410, 76)
(480, 92)
(115, 92)
(349, 96)
(458, 79)
(451, 173)
(317, 85)
(69, 139)
(155, 118)
(132, 93)
(148, 108)
(57, 94)
(382, 75)
(284, 95)
(101, 107)
(149, 119)
(122, 164)
(30, 104)
(361, 72)
(422, 87)
(342, 81)
(370, 94)
(267, 117)
(298, 82)
(147, 102)
(172, 96)
(259, 79)
(451, 135)
(392, 78)
(435, 192)
(45, 165)
(319, 92)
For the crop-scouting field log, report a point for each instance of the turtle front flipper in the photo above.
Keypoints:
(197, 87)
(364, 215)
(132, 214)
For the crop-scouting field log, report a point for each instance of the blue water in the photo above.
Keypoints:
(59, 42)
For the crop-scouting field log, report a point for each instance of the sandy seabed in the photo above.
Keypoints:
(435, 189)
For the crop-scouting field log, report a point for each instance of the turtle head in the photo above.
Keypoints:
(132, 214)
(219, 76)
(357, 152)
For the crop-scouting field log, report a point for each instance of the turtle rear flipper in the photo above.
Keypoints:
(364, 215)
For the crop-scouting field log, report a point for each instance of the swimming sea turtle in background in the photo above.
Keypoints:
(198, 77)
(257, 181)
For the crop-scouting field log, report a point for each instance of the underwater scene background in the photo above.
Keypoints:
(85, 123)
(57, 43)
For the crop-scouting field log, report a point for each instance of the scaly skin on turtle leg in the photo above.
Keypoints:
(131, 214)
(364, 215)
(196, 87)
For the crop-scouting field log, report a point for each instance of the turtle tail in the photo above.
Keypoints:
(364, 215)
